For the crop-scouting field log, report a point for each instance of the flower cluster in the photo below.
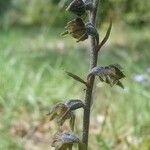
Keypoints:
(77, 28)
(61, 112)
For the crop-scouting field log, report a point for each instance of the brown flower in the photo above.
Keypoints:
(65, 140)
(61, 112)
(78, 30)
(110, 74)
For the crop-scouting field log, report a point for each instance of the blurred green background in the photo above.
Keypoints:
(33, 61)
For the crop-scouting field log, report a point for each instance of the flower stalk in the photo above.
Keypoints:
(111, 74)
(89, 90)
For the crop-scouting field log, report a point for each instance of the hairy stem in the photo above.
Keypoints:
(89, 90)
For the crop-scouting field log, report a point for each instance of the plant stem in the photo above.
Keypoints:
(89, 90)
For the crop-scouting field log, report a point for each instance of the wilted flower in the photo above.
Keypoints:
(77, 29)
(63, 141)
(110, 74)
(57, 110)
(61, 112)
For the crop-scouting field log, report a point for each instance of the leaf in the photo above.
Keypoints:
(75, 77)
(109, 74)
(106, 37)
(64, 140)
(74, 104)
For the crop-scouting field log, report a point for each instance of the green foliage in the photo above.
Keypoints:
(6, 142)
(36, 12)
(145, 144)
(131, 11)
(4, 4)
(137, 11)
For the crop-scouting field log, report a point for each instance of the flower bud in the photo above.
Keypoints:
(91, 30)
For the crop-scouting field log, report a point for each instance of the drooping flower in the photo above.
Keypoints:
(63, 111)
(78, 30)
(65, 140)
(110, 74)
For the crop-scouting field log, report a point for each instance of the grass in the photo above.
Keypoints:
(32, 78)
